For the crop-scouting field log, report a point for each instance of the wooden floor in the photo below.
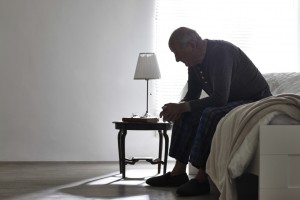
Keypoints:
(77, 180)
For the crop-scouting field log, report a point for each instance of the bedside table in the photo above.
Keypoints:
(279, 176)
(162, 129)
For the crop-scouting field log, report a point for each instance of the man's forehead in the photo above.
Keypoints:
(174, 46)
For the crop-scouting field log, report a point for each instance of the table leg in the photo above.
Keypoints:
(120, 150)
(159, 151)
(123, 159)
(166, 149)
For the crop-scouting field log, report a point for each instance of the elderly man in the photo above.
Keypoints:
(229, 78)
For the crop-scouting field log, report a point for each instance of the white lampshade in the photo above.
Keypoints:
(147, 67)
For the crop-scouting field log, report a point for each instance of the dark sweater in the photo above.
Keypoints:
(226, 74)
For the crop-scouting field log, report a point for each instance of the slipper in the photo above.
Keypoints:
(167, 180)
(193, 188)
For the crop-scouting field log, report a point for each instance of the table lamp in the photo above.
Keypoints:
(146, 69)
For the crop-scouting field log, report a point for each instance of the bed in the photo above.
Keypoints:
(235, 145)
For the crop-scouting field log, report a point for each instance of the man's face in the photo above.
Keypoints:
(183, 54)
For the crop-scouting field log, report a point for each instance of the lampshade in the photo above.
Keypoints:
(147, 67)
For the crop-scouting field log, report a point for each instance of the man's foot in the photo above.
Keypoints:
(194, 188)
(167, 180)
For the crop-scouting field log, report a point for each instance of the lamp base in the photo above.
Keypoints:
(148, 115)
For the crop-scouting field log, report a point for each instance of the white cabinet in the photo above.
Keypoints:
(279, 176)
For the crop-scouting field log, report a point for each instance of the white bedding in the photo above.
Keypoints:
(248, 150)
(279, 83)
(236, 139)
(275, 118)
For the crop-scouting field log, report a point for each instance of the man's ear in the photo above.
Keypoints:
(192, 44)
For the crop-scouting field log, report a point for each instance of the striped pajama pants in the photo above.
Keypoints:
(193, 132)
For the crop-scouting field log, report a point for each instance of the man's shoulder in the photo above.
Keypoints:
(220, 44)
(221, 48)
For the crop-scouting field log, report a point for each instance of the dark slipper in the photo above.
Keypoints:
(194, 188)
(167, 180)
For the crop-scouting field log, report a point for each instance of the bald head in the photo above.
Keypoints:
(183, 36)
(187, 46)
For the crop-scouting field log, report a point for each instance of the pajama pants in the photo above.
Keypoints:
(192, 134)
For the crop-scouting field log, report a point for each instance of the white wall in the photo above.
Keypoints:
(66, 72)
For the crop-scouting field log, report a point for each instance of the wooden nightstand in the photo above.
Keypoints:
(162, 129)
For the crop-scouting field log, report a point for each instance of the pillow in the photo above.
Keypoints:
(281, 83)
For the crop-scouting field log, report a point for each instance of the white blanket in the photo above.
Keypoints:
(231, 133)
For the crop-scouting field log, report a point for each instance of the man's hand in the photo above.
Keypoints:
(172, 111)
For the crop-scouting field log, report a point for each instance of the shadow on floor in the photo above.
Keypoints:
(114, 187)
